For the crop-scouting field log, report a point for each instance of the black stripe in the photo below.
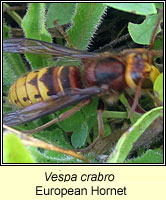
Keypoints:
(47, 79)
(34, 82)
(64, 78)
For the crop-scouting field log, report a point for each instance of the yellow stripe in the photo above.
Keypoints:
(58, 78)
(128, 77)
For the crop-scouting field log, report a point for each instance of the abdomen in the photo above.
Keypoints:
(39, 85)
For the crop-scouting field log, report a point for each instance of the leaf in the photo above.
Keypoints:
(79, 136)
(90, 113)
(141, 33)
(136, 8)
(54, 137)
(150, 156)
(158, 43)
(158, 87)
(47, 156)
(15, 151)
(72, 122)
(85, 21)
(125, 143)
(115, 114)
(13, 67)
(33, 24)
(159, 5)
(56, 12)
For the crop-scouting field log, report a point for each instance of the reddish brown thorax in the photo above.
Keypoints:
(108, 71)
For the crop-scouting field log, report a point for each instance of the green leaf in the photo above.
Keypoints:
(150, 156)
(47, 156)
(115, 114)
(85, 21)
(54, 137)
(141, 33)
(72, 122)
(15, 151)
(90, 113)
(34, 22)
(79, 135)
(33, 25)
(158, 87)
(107, 129)
(159, 5)
(13, 67)
(158, 43)
(136, 8)
(56, 12)
(91, 109)
(125, 143)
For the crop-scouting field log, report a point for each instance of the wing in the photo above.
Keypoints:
(55, 103)
(25, 45)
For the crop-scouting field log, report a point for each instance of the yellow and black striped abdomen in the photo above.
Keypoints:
(39, 85)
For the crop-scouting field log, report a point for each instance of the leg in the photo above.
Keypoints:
(62, 117)
(136, 97)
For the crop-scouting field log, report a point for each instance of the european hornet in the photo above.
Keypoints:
(50, 89)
